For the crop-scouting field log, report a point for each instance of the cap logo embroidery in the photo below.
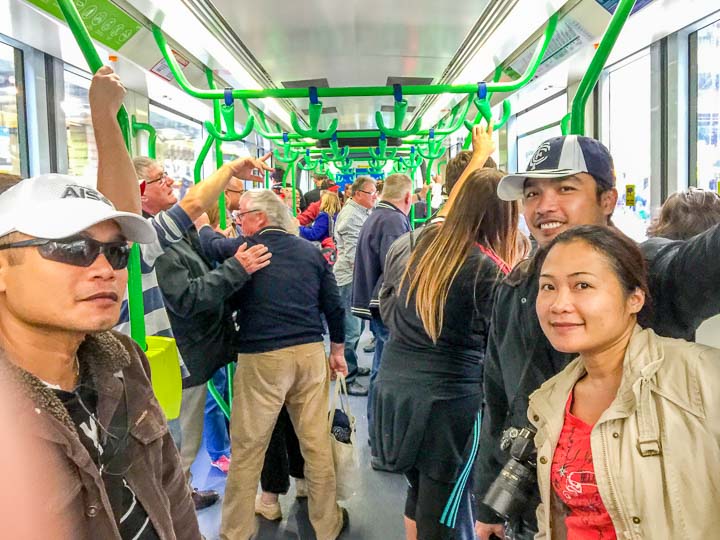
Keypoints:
(540, 155)
(82, 192)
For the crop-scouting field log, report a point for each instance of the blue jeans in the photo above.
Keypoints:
(215, 433)
(381, 334)
(353, 330)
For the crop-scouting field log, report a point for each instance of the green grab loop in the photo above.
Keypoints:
(352, 91)
(219, 398)
(396, 131)
(307, 163)
(435, 149)
(287, 155)
(135, 293)
(322, 167)
(346, 166)
(485, 113)
(450, 124)
(399, 166)
(565, 124)
(261, 125)
(136, 127)
(217, 119)
(314, 120)
(622, 12)
(337, 154)
(228, 114)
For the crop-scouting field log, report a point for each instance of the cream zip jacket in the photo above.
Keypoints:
(656, 449)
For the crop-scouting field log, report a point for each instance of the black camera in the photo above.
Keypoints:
(513, 489)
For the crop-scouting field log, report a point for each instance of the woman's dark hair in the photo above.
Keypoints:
(686, 214)
(621, 252)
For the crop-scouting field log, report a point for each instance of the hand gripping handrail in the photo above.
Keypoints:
(137, 127)
(359, 91)
(315, 112)
(135, 293)
(620, 17)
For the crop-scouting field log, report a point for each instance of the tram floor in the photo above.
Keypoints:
(375, 510)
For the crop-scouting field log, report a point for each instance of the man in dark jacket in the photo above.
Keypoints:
(281, 361)
(570, 181)
(84, 392)
(313, 195)
(387, 223)
(196, 299)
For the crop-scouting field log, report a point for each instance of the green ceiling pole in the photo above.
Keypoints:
(577, 121)
(353, 91)
(152, 135)
(135, 293)
(218, 142)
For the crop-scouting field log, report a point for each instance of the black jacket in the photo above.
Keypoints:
(684, 292)
(196, 300)
(283, 303)
(386, 224)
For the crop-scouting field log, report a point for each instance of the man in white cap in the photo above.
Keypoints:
(63, 256)
(570, 181)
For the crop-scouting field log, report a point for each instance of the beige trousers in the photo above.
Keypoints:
(299, 378)
(192, 421)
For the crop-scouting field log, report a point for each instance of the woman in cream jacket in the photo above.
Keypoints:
(628, 434)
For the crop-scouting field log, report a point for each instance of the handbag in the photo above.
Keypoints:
(341, 430)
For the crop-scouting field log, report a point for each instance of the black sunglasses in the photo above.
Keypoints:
(78, 251)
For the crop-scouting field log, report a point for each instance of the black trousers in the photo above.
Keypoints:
(283, 458)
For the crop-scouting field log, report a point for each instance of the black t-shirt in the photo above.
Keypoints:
(107, 452)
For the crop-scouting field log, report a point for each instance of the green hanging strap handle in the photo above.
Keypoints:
(227, 110)
(322, 168)
(346, 166)
(261, 125)
(482, 104)
(137, 127)
(400, 112)
(381, 153)
(315, 114)
(287, 154)
(307, 163)
(434, 148)
(450, 124)
(399, 165)
(336, 154)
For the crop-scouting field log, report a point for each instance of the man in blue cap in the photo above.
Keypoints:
(570, 181)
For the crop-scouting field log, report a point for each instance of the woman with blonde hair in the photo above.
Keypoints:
(628, 434)
(323, 225)
(436, 303)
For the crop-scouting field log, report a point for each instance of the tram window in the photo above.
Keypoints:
(10, 154)
(629, 138)
(708, 107)
(179, 141)
(81, 148)
(538, 124)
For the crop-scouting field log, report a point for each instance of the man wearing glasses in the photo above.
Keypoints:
(86, 393)
(347, 231)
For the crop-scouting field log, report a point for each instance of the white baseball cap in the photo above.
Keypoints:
(55, 206)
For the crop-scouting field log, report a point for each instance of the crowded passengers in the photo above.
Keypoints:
(583, 346)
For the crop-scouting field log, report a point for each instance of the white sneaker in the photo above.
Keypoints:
(301, 491)
(271, 512)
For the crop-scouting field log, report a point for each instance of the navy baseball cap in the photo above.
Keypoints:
(561, 157)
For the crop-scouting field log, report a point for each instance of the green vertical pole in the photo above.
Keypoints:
(135, 293)
(577, 120)
(217, 120)
(267, 179)
(294, 198)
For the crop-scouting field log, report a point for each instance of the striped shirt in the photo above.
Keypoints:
(170, 227)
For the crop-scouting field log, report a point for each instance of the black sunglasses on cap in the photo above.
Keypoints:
(78, 251)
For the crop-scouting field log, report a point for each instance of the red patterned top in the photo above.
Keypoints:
(573, 479)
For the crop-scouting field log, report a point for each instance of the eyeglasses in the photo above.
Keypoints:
(78, 251)
(371, 193)
(163, 176)
(239, 215)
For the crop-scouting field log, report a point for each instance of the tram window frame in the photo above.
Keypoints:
(533, 110)
(80, 73)
(211, 154)
(693, 116)
(20, 102)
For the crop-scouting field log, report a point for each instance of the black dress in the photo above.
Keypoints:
(427, 395)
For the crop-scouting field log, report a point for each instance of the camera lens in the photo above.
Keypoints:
(508, 494)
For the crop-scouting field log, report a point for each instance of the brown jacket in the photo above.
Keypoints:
(78, 498)
(656, 449)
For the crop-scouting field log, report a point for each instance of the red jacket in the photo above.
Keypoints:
(310, 214)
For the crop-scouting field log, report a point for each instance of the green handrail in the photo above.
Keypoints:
(622, 12)
(135, 292)
(218, 142)
(307, 163)
(314, 120)
(354, 91)
(400, 110)
(197, 172)
(152, 135)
